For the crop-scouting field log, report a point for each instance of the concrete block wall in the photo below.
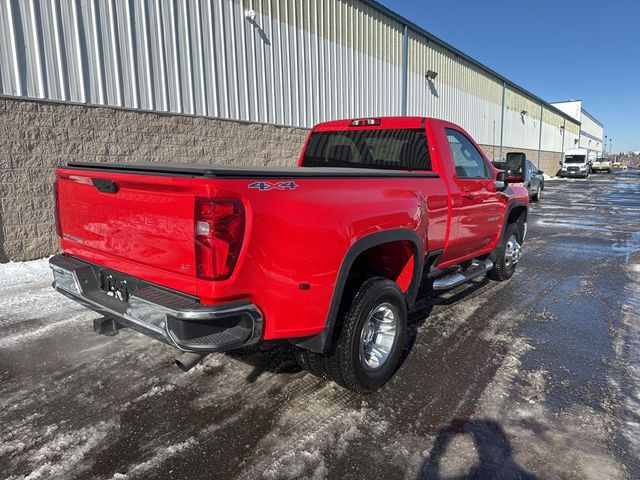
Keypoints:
(549, 161)
(36, 137)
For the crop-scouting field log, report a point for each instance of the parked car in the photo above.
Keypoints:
(534, 180)
(575, 163)
(602, 164)
(328, 255)
(533, 177)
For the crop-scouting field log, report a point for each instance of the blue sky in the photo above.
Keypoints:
(558, 50)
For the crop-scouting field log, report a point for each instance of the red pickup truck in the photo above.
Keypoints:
(328, 255)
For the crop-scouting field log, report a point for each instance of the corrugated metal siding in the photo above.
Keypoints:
(298, 62)
(591, 127)
(522, 121)
(294, 64)
(461, 93)
(552, 131)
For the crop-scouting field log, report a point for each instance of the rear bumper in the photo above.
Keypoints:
(165, 315)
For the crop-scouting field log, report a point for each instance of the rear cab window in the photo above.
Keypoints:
(392, 149)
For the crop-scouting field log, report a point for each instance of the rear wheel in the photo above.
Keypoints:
(536, 196)
(370, 344)
(507, 254)
(369, 347)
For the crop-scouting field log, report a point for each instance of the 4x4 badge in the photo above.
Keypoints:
(264, 186)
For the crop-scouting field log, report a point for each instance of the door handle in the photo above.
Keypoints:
(469, 196)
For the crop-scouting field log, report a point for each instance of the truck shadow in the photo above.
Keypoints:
(427, 299)
(493, 450)
(277, 357)
(270, 357)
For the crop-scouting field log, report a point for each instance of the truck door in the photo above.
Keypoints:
(476, 203)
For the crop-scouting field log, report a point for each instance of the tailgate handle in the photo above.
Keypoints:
(105, 185)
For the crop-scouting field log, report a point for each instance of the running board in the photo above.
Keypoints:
(458, 278)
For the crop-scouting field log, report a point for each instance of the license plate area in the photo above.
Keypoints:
(115, 287)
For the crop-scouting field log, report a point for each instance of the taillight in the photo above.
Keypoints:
(219, 233)
(57, 208)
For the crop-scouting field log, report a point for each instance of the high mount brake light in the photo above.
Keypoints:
(365, 122)
(219, 233)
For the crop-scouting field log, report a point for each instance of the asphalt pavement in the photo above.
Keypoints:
(535, 378)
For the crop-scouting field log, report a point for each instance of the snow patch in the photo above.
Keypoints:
(14, 273)
(18, 338)
(63, 453)
(309, 434)
(575, 437)
(158, 458)
(156, 390)
(628, 352)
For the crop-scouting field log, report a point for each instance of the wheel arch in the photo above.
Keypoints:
(517, 213)
(368, 244)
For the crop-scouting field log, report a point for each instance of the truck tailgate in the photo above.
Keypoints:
(138, 223)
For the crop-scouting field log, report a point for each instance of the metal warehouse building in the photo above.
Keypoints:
(591, 130)
(227, 81)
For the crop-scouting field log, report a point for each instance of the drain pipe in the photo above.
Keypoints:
(188, 360)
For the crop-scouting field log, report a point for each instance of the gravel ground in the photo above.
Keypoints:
(538, 377)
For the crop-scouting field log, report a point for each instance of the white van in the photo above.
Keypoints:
(576, 162)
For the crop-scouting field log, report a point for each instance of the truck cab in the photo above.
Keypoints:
(576, 163)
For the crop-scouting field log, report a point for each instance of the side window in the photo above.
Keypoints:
(466, 157)
(531, 166)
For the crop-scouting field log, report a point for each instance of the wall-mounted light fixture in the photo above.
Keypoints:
(250, 15)
(523, 113)
(431, 75)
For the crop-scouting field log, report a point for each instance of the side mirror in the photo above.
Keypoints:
(540, 172)
(500, 182)
(515, 167)
(560, 162)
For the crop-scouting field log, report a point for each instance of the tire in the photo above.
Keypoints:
(346, 363)
(536, 196)
(312, 362)
(503, 268)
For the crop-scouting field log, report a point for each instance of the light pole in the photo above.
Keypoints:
(610, 145)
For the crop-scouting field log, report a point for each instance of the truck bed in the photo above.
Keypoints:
(224, 171)
(140, 219)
